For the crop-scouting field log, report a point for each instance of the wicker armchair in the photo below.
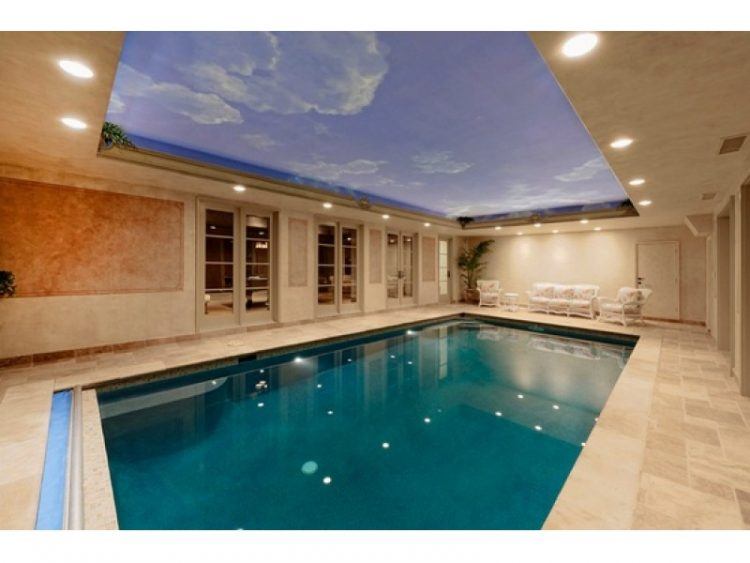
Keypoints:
(489, 292)
(627, 307)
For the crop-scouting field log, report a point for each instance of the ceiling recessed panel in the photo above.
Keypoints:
(456, 124)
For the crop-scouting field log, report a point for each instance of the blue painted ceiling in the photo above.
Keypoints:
(456, 124)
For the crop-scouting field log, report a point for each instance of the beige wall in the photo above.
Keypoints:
(604, 258)
(34, 325)
(31, 325)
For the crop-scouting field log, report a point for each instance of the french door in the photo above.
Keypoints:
(399, 266)
(235, 265)
(338, 268)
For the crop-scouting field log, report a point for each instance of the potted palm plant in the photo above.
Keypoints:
(471, 265)
(114, 136)
(7, 284)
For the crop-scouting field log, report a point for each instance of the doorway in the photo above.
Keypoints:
(338, 268)
(658, 269)
(399, 269)
(234, 277)
(444, 271)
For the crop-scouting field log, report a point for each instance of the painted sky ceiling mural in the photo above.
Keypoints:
(455, 124)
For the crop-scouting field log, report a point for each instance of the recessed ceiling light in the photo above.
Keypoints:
(556, 231)
(427, 224)
(498, 228)
(75, 68)
(645, 202)
(621, 143)
(519, 233)
(328, 205)
(73, 123)
(239, 188)
(597, 228)
(580, 44)
(386, 216)
(537, 225)
(637, 182)
(583, 221)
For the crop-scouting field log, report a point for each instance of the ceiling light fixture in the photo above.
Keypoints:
(621, 143)
(519, 233)
(73, 123)
(386, 216)
(498, 228)
(637, 182)
(537, 225)
(328, 205)
(239, 188)
(427, 224)
(645, 202)
(75, 68)
(597, 228)
(555, 231)
(580, 44)
(583, 221)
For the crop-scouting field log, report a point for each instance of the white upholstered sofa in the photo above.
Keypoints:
(568, 300)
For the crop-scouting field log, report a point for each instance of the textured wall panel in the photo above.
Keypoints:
(59, 240)
(297, 253)
(429, 253)
(376, 256)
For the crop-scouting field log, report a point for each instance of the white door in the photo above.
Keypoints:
(658, 269)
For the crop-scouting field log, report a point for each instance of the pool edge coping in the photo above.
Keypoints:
(564, 506)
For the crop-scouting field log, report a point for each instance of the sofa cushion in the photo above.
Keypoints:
(628, 295)
(587, 292)
(538, 299)
(543, 289)
(558, 302)
(585, 303)
(618, 307)
(565, 292)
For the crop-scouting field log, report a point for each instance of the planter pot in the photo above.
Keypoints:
(471, 295)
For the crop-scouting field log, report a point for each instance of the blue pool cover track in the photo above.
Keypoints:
(51, 511)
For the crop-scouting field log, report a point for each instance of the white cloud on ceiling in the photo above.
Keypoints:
(116, 105)
(523, 197)
(207, 109)
(585, 171)
(288, 73)
(260, 141)
(439, 162)
(330, 171)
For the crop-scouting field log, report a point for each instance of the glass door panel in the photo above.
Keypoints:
(407, 267)
(327, 267)
(219, 263)
(258, 267)
(444, 271)
(349, 266)
(392, 268)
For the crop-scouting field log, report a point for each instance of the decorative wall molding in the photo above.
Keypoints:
(429, 259)
(298, 252)
(376, 256)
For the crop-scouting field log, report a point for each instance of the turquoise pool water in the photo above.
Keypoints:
(455, 425)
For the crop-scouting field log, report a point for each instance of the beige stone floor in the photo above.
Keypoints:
(671, 449)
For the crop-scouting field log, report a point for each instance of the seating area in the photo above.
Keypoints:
(567, 300)
(571, 300)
